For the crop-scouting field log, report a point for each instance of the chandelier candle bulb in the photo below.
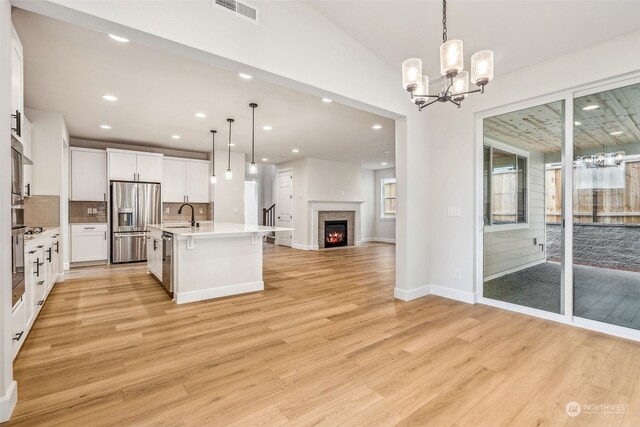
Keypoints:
(451, 58)
(411, 73)
(482, 67)
(422, 91)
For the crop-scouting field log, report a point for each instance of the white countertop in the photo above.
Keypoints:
(31, 240)
(217, 229)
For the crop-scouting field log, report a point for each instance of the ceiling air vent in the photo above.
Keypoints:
(237, 7)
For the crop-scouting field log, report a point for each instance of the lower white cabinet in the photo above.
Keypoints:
(19, 326)
(154, 253)
(89, 242)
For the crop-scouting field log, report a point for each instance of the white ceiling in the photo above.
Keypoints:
(521, 33)
(68, 69)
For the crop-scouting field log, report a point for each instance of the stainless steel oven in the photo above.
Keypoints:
(17, 264)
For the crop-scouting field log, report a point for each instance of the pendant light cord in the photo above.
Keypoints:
(444, 21)
(213, 152)
(229, 160)
(253, 133)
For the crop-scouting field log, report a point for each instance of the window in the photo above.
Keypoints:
(505, 187)
(388, 208)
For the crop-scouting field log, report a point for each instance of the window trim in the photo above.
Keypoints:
(492, 143)
(384, 216)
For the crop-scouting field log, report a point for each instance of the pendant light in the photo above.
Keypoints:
(213, 156)
(253, 169)
(228, 174)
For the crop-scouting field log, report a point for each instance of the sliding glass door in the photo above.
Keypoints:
(606, 206)
(522, 207)
(560, 208)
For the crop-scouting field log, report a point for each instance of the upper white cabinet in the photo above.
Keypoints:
(134, 166)
(185, 181)
(88, 175)
(17, 85)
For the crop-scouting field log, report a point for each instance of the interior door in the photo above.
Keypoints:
(285, 207)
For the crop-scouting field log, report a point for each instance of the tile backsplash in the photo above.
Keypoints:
(202, 212)
(42, 211)
(79, 212)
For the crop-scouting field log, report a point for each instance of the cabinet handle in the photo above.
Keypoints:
(28, 192)
(40, 283)
(155, 244)
(89, 228)
(104, 197)
(49, 257)
(57, 247)
(18, 128)
(105, 235)
(38, 265)
(40, 302)
(40, 247)
(18, 336)
(32, 252)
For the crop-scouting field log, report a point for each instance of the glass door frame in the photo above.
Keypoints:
(566, 295)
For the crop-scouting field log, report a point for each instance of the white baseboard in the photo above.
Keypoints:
(411, 294)
(515, 269)
(66, 266)
(455, 294)
(304, 247)
(441, 291)
(8, 402)
(223, 291)
(378, 239)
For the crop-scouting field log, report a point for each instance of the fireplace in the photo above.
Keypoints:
(335, 234)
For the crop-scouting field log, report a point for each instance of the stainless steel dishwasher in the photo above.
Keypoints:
(167, 262)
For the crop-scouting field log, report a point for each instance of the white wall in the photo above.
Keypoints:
(265, 177)
(508, 251)
(8, 390)
(367, 209)
(385, 228)
(228, 195)
(333, 181)
(451, 135)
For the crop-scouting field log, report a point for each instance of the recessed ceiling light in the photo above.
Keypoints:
(118, 38)
(327, 100)
(245, 76)
(283, 155)
(384, 163)
(618, 132)
(267, 127)
(200, 115)
(105, 126)
(109, 98)
(386, 151)
(376, 127)
(264, 159)
(175, 136)
(231, 144)
(590, 107)
(295, 150)
(577, 123)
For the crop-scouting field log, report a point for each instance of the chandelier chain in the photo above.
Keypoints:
(444, 21)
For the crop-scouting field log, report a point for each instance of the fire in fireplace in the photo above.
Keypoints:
(335, 234)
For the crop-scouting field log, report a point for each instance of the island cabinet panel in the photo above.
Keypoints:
(173, 181)
(154, 253)
(198, 182)
(88, 175)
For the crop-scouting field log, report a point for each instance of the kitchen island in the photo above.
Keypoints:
(211, 261)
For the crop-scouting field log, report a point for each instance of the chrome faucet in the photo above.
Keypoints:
(193, 219)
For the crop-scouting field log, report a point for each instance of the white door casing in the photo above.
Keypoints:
(284, 207)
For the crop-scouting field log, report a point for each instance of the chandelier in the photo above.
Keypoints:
(455, 81)
(602, 159)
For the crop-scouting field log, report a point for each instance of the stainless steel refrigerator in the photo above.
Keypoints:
(134, 205)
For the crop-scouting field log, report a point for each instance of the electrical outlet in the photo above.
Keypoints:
(89, 211)
(201, 210)
(457, 273)
(94, 210)
(166, 211)
(453, 211)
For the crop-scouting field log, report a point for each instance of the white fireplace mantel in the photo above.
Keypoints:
(328, 205)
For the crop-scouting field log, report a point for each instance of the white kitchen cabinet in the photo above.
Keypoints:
(27, 170)
(17, 85)
(173, 180)
(88, 175)
(198, 181)
(154, 254)
(134, 166)
(185, 180)
(89, 242)
(18, 326)
(149, 167)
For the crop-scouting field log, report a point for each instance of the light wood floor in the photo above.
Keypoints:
(325, 343)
